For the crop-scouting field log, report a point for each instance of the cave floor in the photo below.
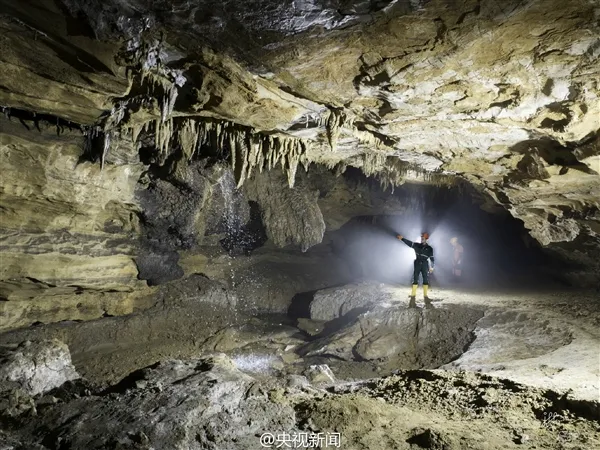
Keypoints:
(545, 339)
(548, 341)
(542, 339)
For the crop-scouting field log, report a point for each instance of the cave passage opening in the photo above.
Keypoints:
(498, 251)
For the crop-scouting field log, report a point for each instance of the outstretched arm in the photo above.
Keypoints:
(406, 241)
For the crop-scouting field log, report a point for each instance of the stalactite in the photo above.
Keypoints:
(163, 135)
(187, 137)
(392, 171)
(367, 138)
(160, 82)
(243, 155)
(116, 116)
(335, 120)
(249, 150)
(135, 131)
(106, 148)
(340, 169)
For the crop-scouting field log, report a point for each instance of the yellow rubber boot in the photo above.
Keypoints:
(428, 304)
(413, 297)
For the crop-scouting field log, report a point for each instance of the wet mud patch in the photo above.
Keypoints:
(513, 335)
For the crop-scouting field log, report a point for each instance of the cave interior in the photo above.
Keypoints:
(201, 209)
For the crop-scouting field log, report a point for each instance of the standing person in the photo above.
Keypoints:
(424, 253)
(457, 259)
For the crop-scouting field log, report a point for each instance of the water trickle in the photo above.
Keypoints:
(231, 218)
(231, 215)
(255, 363)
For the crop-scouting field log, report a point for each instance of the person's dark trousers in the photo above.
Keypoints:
(421, 267)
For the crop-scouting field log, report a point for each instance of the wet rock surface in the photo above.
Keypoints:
(36, 367)
(210, 403)
(400, 337)
(332, 303)
(166, 395)
(175, 320)
(367, 323)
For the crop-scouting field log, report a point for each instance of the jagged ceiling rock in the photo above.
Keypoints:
(51, 64)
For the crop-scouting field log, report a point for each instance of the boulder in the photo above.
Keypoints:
(311, 327)
(329, 304)
(36, 367)
(400, 337)
(320, 373)
(200, 403)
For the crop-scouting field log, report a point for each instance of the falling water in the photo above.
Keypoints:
(231, 216)
(237, 239)
(227, 185)
(253, 362)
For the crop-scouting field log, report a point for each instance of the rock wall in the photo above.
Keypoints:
(68, 230)
(291, 216)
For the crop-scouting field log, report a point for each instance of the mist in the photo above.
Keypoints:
(498, 252)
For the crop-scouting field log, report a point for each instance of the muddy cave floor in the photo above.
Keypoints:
(546, 340)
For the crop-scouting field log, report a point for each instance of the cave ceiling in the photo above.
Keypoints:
(502, 94)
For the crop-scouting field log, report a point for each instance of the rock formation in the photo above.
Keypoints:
(36, 367)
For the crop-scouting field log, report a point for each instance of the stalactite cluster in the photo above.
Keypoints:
(164, 87)
(248, 150)
(392, 171)
(337, 121)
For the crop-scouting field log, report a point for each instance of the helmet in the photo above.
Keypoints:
(425, 235)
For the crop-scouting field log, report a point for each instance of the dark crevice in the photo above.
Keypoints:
(39, 120)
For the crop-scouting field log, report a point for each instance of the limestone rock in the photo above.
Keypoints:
(253, 335)
(400, 337)
(320, 374)
(50, 305)
(290, 215)
(329, 304)
(66, 223)
(311, 327)
(207, 403)
(404, 91)
(196, 290)
(200, 403)
(172, 319)
(36, 367)
(50, 68)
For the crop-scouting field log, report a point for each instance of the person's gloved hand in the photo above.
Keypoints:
(399, 237)
(431, 270)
